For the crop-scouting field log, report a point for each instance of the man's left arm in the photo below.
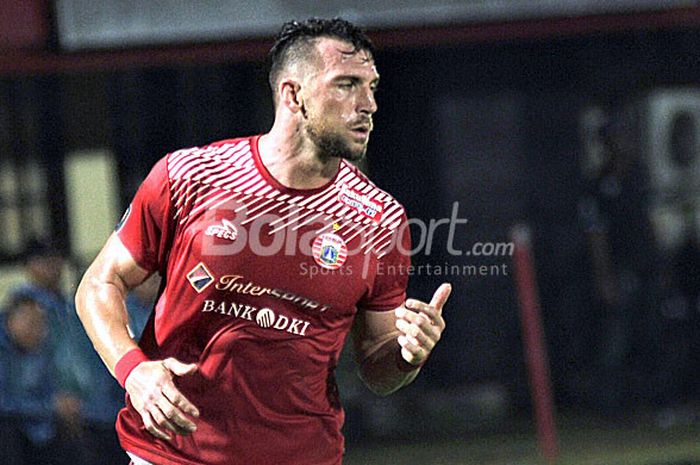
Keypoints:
(391, 347)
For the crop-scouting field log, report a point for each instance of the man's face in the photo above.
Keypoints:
(27, 326)
(339, 102)
(46, 271)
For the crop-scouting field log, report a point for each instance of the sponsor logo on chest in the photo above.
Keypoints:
(239, 285)
(200, 277)
(362, 203)
(263, 317)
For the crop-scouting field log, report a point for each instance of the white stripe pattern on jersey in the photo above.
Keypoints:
(205, 178)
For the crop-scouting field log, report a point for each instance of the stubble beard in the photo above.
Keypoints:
(332, 145)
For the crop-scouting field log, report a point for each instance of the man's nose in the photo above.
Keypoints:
(366, 102)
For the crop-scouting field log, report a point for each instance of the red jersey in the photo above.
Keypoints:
(261, 286)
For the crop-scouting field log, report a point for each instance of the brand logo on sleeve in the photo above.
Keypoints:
(330, 251)
(223, 230)
(200, 277)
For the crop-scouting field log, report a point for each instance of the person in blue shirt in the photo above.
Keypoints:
(35, 414)
(88, 385)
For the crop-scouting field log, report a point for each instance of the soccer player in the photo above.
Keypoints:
(270, 250)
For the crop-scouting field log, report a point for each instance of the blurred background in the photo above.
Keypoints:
(577, 118)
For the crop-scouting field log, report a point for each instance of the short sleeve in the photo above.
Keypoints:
(392, 270)
(147, 225)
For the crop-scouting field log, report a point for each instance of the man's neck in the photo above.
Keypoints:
(293, 163)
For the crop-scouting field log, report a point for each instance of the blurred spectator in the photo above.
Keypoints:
(686, 263)
(80, 370)
(624, 262)
(36, 415)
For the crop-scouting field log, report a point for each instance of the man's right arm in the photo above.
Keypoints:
(100, 303)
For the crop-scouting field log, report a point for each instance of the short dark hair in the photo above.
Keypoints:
(296, 39)
(40, 248)
(17, 301)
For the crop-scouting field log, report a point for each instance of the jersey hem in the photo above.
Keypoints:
(156, 458)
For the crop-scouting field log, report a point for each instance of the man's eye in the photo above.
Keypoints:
(345, 85)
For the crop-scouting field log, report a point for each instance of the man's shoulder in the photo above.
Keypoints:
(360, 192)
(191, 161)
(229, 142)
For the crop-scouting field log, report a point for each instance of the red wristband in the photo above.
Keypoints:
(127, 363)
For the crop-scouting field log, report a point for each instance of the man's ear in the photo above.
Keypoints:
(290, 96)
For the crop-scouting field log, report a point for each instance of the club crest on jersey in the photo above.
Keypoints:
(223, 230)
(361, 203)
(330, 251)
(200, 277)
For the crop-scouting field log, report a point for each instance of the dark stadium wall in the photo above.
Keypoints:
(24, 25)
(497, 128)
(492, 126)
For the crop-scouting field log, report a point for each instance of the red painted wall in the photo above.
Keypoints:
(24, 24)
